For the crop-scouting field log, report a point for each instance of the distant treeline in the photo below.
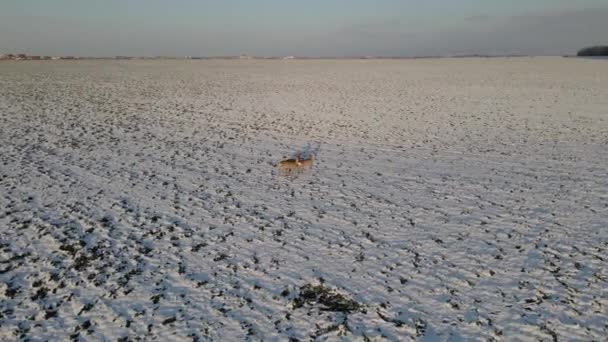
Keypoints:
(594, 51)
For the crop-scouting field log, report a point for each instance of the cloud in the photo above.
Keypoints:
(552, 32)
(479, 18)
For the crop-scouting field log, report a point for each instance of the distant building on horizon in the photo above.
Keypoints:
(25, 57)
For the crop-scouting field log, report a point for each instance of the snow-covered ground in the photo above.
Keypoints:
(451, 199)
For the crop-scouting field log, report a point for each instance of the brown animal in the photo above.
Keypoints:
(295, 165)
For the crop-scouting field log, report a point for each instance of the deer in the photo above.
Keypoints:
(298, 163)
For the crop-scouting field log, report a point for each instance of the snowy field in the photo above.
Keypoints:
(451, 199)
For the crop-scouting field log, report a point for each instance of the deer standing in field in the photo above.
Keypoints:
(302, 160)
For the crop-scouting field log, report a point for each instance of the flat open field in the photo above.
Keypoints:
(451, 199)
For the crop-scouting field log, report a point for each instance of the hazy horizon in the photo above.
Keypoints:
(332, 28)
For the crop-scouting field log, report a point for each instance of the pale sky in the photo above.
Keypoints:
(297, 27)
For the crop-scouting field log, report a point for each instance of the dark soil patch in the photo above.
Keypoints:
(327, 298)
